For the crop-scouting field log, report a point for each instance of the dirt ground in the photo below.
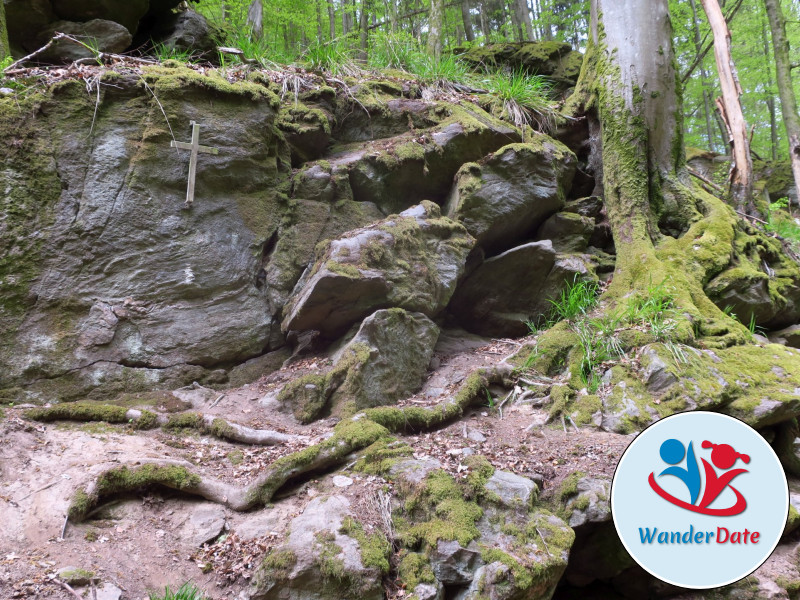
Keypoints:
(145, 541)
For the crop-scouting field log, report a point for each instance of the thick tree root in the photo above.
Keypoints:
(351, 435)
(145, 419)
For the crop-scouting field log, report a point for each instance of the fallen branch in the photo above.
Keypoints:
(705, 180)
(67, 587)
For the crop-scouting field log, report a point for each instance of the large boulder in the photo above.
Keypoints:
(503, 199)
(411, 261)
(517, 286)
(125, 12)
(400, 171)
(186, 30)
(323, 558)
(110, 281)
(385, 361)
(99, 34)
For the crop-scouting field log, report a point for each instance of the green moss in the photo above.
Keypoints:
(378, 458)
(277, 564)
(480, 471)
(124, 479)
(414, 569)
(79, 411)
(375, 548)
(221, 429)
(147, 420)
(569, 487)
(178, 78)
(187, 420)
(236, 457)
(343, 269)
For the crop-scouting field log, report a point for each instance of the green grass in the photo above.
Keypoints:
(524, 98)
(164, 52)
(332, 57)
(393, 51)
(188, 591)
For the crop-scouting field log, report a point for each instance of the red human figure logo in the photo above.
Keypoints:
(724, 457)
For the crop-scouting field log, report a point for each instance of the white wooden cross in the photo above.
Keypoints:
(195, 147)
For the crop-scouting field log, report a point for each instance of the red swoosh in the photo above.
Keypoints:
(736, 509)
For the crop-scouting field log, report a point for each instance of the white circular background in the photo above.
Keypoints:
(635, 505)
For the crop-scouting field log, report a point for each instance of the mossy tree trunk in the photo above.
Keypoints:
(4, 48)
(630, 87)
(780, 46)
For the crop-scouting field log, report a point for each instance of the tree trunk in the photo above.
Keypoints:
(435, 29)
(4, 47)
(770, 99)
(364, 29)
(780, 45)
(331, 19)
(524, 18)
(698, 45)
(741, 176)
(255, 18)
(485, 23)
(465, 17)
(516, 23)
(317, 4)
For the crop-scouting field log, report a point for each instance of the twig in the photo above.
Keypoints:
(529, 382)
(213, 404)
(67, 587)
(705, 180)
(32, 54)
(162, 110)
(564, 424)
(41, 489)
(510, 396)
(573, 424)
(741, 214)
(94, 588)
(543, 542)
(64, 528)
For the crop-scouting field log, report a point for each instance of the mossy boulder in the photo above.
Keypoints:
(555, 60)
(410, 261)
(506, 291)
(108, 35)
(398, 172)
(503, 198)
(568, 232)
(385, 361)
(326, 556)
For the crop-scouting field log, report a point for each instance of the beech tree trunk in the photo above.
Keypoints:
(465, 17)
(485, 23)
(741, 175)
(331, 19)
(255, 18)
(524, 18)
(435, 29)
(780, 46)
(698, 45)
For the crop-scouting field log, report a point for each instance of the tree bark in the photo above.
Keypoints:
(485, 23)
(4, 47)
(364, 28)
(741, 175)
(516, 22)
(466, 18)
(255, 18)
(780, 46)
(435, 29)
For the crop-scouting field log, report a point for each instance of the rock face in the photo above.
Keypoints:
(516, 286)
(108, 36)
(411, 261)
(507, 195)
(319, 561)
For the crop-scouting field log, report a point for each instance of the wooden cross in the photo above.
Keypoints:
(195, 147)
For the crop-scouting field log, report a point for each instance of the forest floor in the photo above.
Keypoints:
(142, 542)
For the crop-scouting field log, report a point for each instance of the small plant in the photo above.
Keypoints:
(166, 52)
(393, 50)
(188, 591)
(578, 298)
(489, 399)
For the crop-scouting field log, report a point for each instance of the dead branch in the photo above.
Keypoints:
(67, 587)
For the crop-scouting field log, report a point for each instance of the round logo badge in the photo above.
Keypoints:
(699, 500)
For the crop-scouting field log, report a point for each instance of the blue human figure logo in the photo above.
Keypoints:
(672, 453)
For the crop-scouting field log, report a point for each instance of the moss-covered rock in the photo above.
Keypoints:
(410, 261)
(508, 194)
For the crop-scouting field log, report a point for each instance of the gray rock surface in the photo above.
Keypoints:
(107, 36)
(186, 30)
(789, 336)
(453, 564)
(569, 232)
(513, 491)
(507, 290)
(410, 261)
(316, 545)
(507, 195)
(591, 502)
(204, 524)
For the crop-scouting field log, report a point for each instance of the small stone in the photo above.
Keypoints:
(109, 591)
(476, 436)
(342, 481)
(206, 523)
(6, 91)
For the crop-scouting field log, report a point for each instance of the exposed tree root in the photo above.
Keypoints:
(351, 435)
(145, 419)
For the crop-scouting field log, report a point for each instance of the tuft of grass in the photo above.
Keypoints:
(524, 98)
(188, 591)
(164, 52)
(331, 57)
(577, 299)
(393, 50)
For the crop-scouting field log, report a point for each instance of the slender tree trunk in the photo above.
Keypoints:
(331, 20)
(485, 23)
(318, 6)
(466, 18)
(769, 98)
(698, 45)
(364, 28)
(780, 45)
(516, 23)
(255, 18)
(525, 19)
(741, 175)
(393, 15)
(435, 29)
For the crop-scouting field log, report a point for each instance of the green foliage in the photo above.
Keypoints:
(523, 97)
(188, 591)
(332, 57)
(166, 52)
(577, 299)
(783, 224)
(393, 50)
